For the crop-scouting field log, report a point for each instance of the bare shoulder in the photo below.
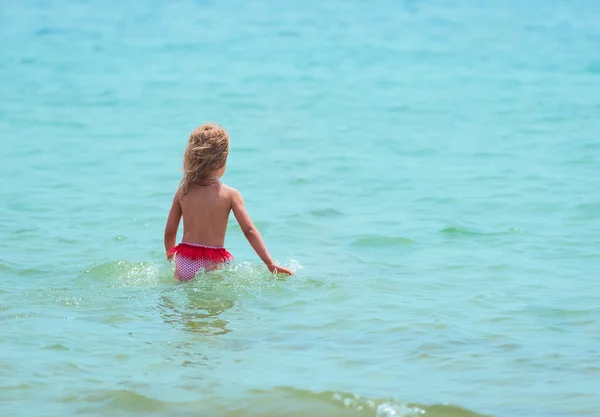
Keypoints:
(179, 199)
(230, 192)
(178, 194)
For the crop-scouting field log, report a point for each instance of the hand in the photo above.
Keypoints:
(276, 269)
(170, 257)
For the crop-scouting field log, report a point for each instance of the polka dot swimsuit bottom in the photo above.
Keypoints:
(191, 258)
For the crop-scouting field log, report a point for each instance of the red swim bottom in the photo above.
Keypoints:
(191, 258)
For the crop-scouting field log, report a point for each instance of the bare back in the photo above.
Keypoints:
(205, 211)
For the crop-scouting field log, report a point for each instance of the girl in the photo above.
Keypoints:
(205, 203)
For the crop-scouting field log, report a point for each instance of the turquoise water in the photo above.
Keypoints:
(429, 168)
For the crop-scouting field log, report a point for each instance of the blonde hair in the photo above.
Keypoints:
(207, 150)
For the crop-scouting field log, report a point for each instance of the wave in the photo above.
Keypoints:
(279, 401)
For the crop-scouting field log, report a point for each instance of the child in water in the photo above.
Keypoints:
(205, 204)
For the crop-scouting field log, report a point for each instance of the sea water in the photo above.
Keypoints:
(430, 170)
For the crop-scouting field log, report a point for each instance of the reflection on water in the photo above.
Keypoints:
(196, 306)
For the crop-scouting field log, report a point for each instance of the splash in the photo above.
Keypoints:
(130, 274)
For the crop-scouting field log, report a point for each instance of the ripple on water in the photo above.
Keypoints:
(197, 306)
(382, 241)
(465, 231)
(56, 346)
(327, 213)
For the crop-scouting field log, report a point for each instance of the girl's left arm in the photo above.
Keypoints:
(172, 224)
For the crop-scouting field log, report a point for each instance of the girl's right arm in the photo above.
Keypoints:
(252, 234)
(172, 224)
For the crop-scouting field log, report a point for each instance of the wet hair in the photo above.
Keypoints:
(207, 151)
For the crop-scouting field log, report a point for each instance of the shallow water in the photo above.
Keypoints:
(429, 168)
